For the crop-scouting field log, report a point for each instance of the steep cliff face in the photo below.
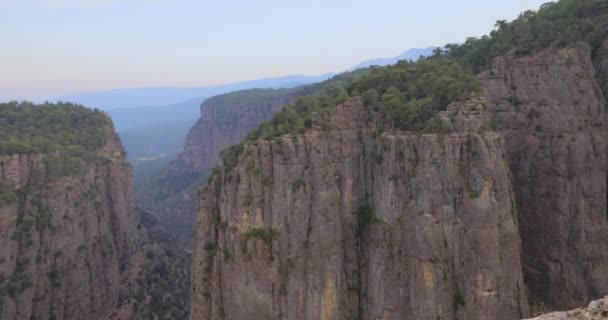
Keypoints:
(215, 130)
(65, 241)
(553, 116)
(225, 120)
(601, 67)
(347, 222)
(287, 233)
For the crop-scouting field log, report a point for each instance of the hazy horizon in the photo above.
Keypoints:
(70, 46)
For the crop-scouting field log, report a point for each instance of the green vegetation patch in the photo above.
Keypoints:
(23, 232)
(298, 185)
(230, 155)
(264, 234)
(71, 134)
(7, 198)
(248, 200)
(20, 280)
(29, 128)
(365, 216)
(458, 299)
(410, 93)
(555, 24)
(55, 277)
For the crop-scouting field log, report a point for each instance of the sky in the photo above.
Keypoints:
(55, 47)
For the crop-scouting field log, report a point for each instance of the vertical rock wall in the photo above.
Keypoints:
(552, 114)
(65, 242)
(283, 235)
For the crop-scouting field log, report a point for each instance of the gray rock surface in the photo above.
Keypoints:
(552, 114)
(65, 242)
(277, 236)
(173, 195)
(210, 135)
(515, 190)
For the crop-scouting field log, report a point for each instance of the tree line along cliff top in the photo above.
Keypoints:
(69, 136)
(554, 25)
(228, 106)
(29, 128)
(409, 94)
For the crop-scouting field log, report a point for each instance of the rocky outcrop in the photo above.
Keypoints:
(597, 310)
(348, 222)
(219, 128)
(225, 120)
(65, 241)
(552, 114)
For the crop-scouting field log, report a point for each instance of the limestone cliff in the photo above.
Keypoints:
(224, 125)
(65, 240)
(552, 114)
(450, 234)
(225, 120)
(347, 222)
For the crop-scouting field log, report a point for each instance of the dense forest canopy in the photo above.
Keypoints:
(555, 24)
(69, 135)
(409, 94)
(29, 128)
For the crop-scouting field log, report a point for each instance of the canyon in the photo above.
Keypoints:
(500, 215)
(469, 184)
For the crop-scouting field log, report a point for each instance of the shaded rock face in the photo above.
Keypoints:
(553, 117)
(157, 285)
(174, 194)
(210, 135)
(286, 234)
(65, 242)
(601, 67)
(596, 310)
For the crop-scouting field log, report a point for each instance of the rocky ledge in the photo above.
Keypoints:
(596, 310)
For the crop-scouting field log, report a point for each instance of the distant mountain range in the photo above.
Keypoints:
(153, 122)
(163, 96)
(411, 54)
(173, 96)
(137, 117)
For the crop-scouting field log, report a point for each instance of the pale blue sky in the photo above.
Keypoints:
(54, 47)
